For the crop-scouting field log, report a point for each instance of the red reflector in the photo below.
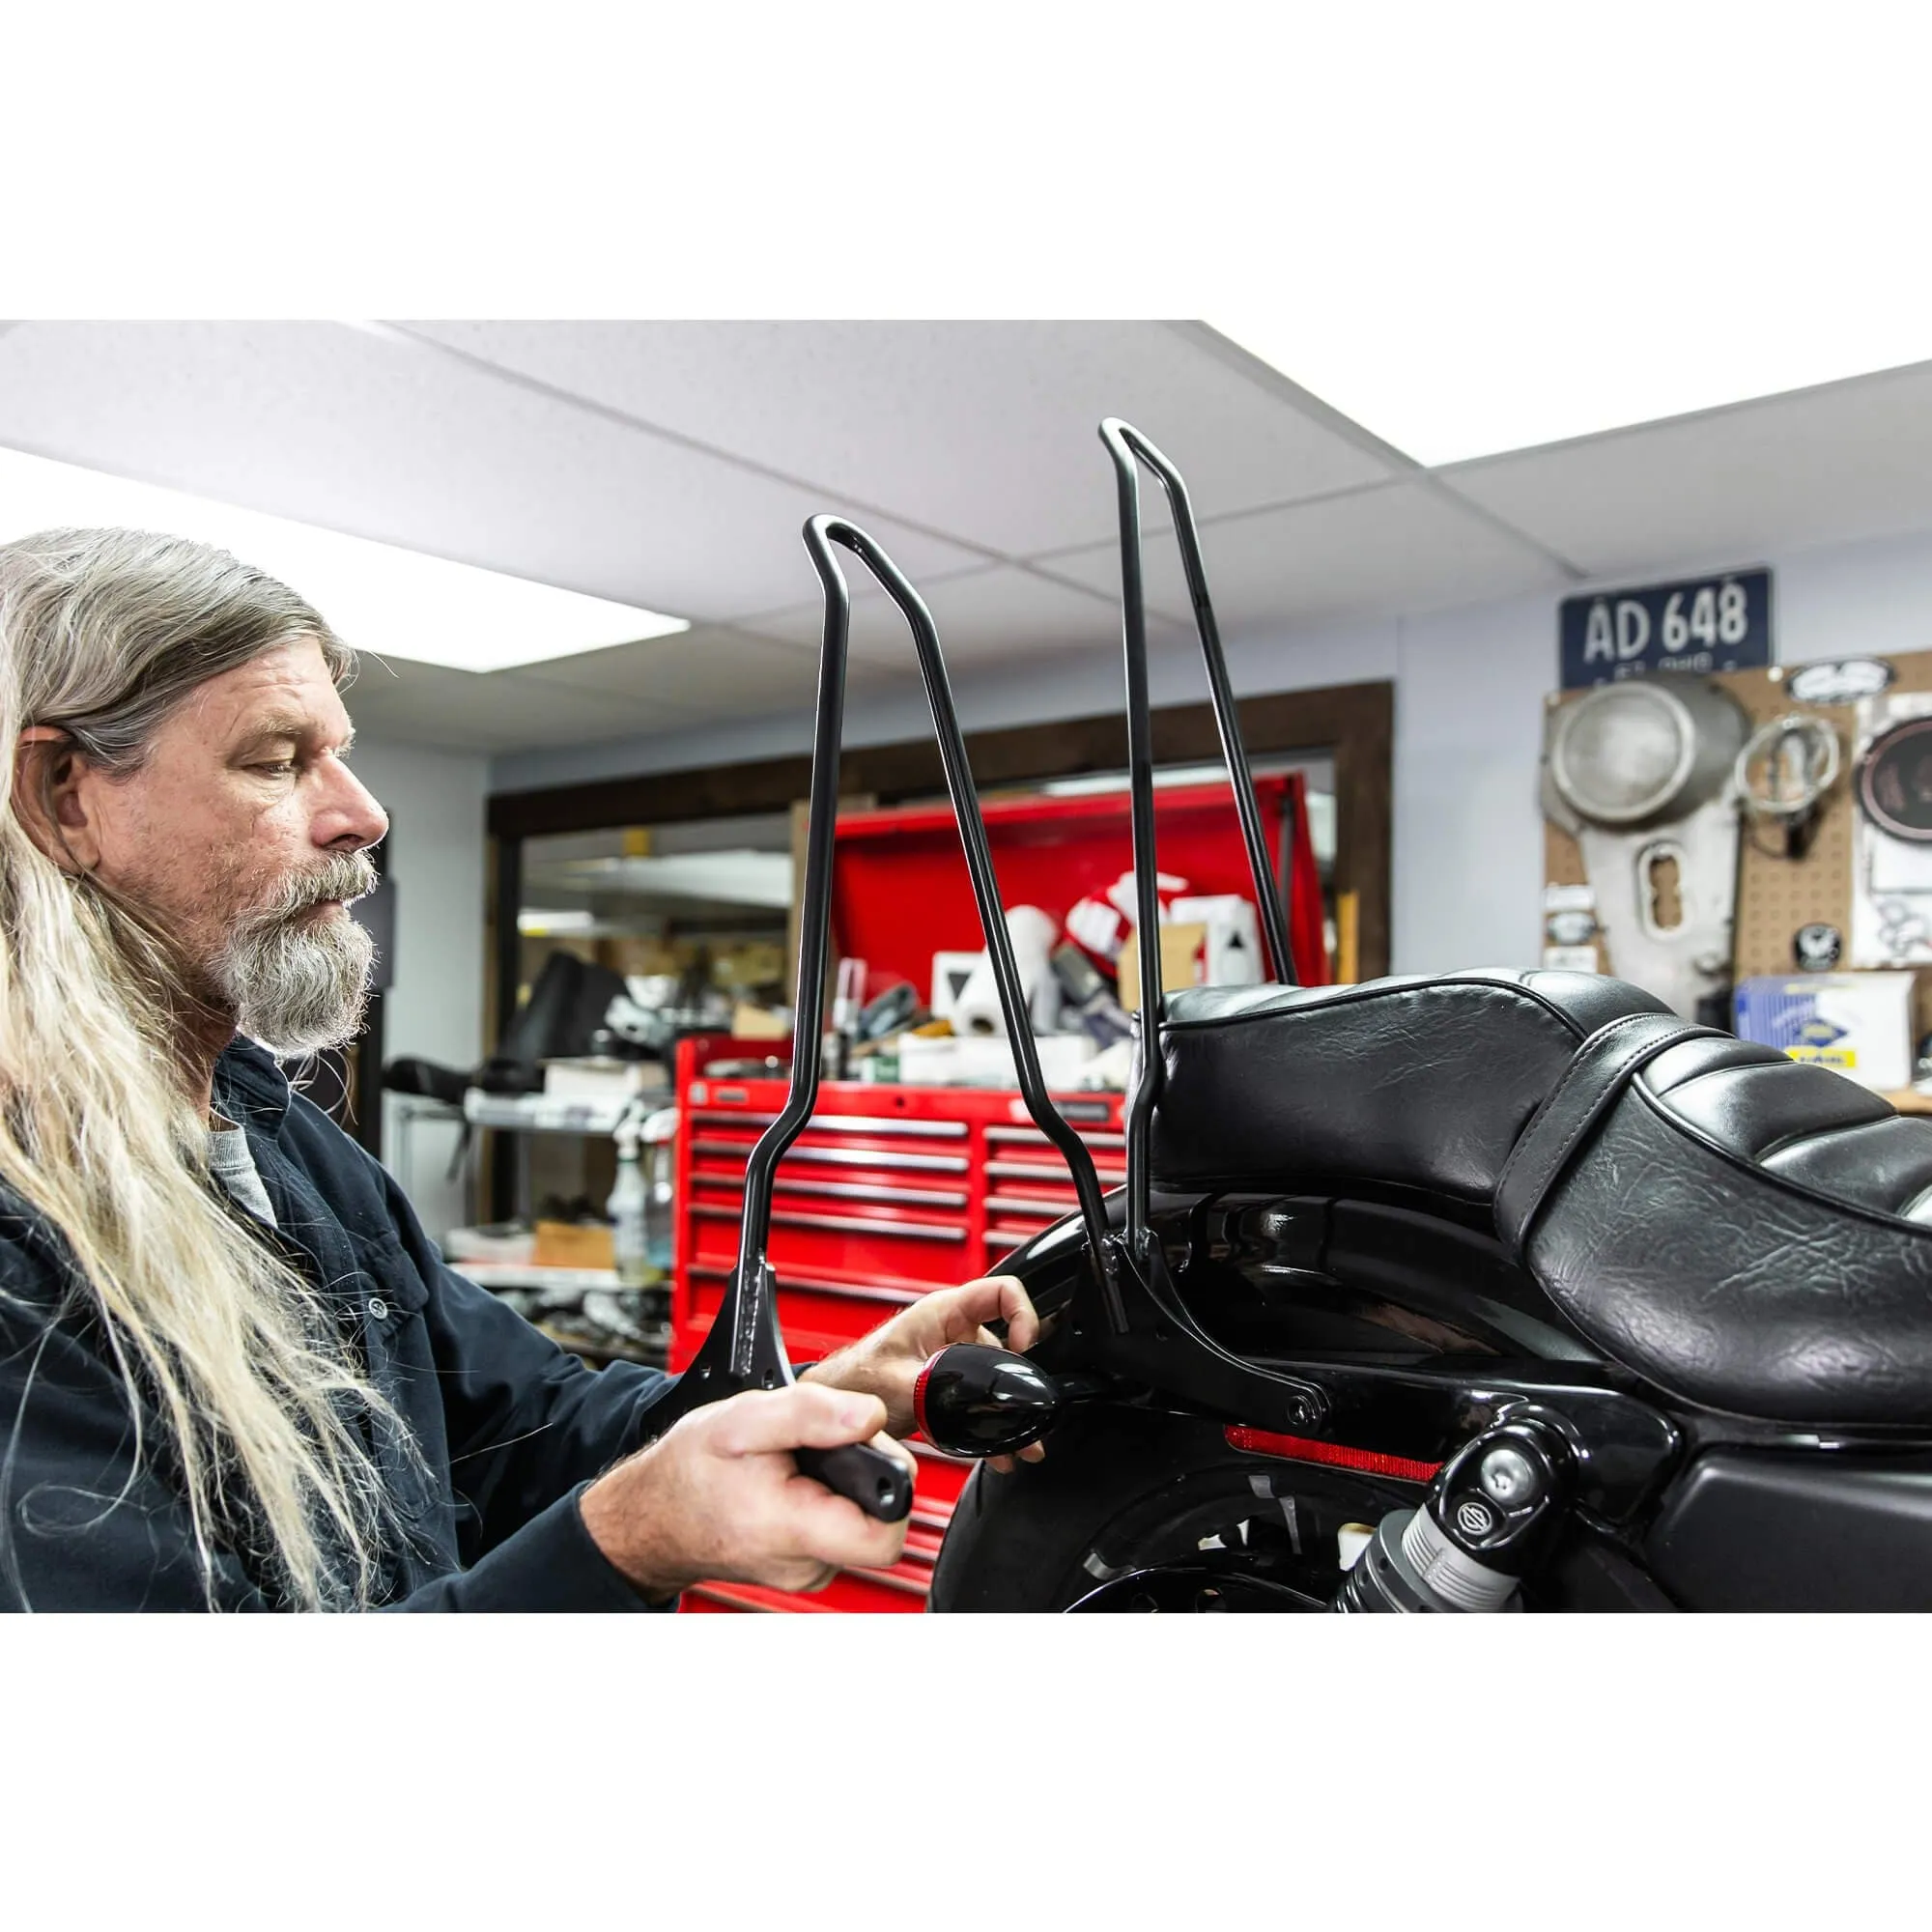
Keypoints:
(1299, 1449)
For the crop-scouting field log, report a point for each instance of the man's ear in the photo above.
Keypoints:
(48, 769)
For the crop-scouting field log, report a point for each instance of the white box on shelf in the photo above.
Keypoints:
(495, 1275)
(981, 1061)
(504, 1243)
(545, 1113)
(602, 1079)
(951, 972)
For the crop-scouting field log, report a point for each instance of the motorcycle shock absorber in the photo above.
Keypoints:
(1487, 1520)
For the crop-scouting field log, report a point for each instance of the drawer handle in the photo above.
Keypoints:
(900, 1297)
(1023, 1170)
(848, 1191)
(1032, 1137)
(850, 1224)
(881, 1157)
(887, 1126)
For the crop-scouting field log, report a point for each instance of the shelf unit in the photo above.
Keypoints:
(553, 1113)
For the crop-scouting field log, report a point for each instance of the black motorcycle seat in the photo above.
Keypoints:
(1745, 1231)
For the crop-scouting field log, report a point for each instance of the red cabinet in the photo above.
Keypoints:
(900, 890)
(889, 1191)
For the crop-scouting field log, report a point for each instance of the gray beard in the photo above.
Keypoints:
(297, 984)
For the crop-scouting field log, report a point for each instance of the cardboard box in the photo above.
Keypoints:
(1180, 948)
(750, 1022)
(572, 1244)
(1232, 955)
(1858, 1024)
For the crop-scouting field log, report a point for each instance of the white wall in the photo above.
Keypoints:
(434, 1008)
(1469, 688)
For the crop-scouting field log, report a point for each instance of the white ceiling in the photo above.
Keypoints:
(671, 464)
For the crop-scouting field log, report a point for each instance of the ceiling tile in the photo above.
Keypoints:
(392, 439)
(983, 430)
(1819, 466)
(1374, 553)
(498, 711)
(710, 672)
(995, 616)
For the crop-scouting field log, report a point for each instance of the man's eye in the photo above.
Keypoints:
(281, 770)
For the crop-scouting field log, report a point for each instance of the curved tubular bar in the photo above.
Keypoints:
(821, 533)
(814, 927)
(1124, 442)
(745, 1348)
(1128, 448)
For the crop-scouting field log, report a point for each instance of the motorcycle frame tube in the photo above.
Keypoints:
(1128, 448)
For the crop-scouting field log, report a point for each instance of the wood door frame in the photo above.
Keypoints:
(1353, 723)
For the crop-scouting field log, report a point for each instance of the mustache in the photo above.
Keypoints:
(347, 876)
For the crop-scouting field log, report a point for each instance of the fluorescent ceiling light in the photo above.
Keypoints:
(538, 922)
(744, 878)
(1472, 372)
(1105, 781)
(378, 597)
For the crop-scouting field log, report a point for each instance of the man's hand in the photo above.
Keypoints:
(886, 1363)
(717, 1494)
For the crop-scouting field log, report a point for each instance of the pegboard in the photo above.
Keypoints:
(1777, 895)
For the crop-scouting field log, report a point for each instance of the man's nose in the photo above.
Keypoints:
(349, 815)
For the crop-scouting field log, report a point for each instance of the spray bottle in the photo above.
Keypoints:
(627, 1205)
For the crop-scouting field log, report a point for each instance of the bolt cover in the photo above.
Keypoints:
(1508, 1475)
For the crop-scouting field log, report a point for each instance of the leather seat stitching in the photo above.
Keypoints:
(1354, 996)
(1879, 1216)
(1775, 1059)
(1618, 1078)
(1328, 998)
(1799, 1135)
(1574, 1072)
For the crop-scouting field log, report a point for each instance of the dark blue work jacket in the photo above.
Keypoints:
(508, 1427)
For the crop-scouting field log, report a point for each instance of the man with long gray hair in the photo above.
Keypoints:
(235, 1373)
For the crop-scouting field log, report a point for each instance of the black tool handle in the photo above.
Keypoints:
(880, 1485)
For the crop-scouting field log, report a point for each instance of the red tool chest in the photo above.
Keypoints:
(890, 1191)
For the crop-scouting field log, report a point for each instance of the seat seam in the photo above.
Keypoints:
(1571, 1074)
(1712, 1072)
(1799, 1136)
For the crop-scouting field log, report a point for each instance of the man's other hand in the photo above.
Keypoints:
(717, 1494)
(886, 1363)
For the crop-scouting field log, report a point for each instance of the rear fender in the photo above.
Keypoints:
(1276, 1275)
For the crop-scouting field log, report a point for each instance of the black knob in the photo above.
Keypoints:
(975, 1401)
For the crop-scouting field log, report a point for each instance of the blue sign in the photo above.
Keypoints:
(1697, 626)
